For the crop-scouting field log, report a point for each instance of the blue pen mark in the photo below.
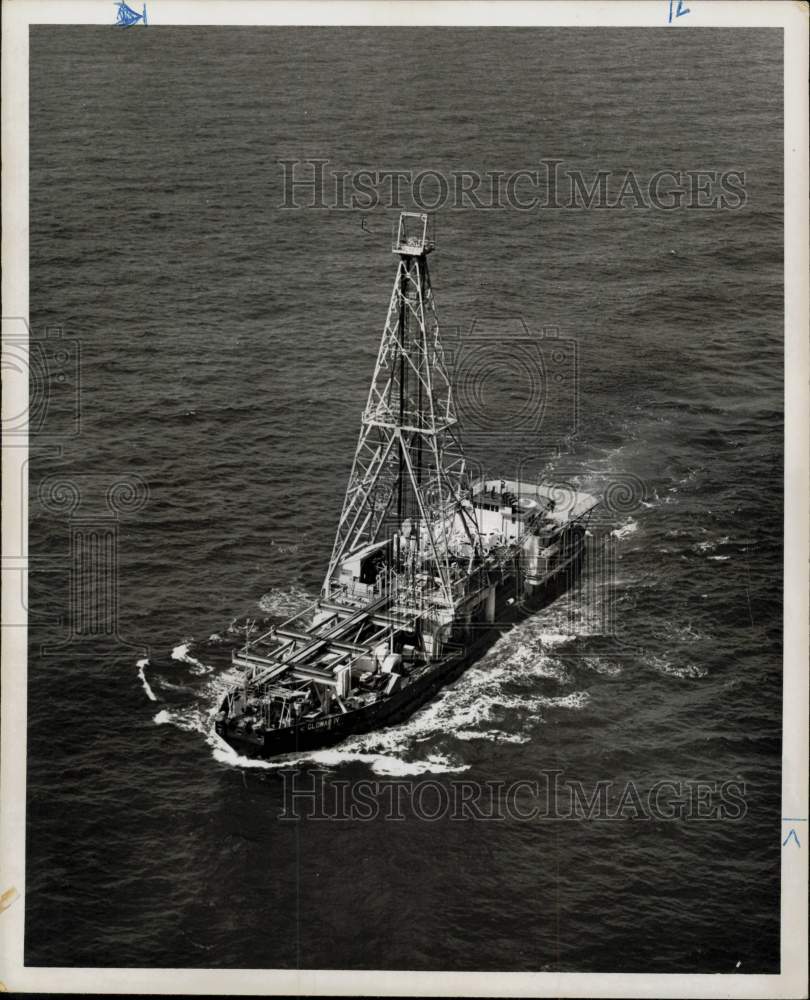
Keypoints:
(125, 16)
(794, 835)
(681, 10)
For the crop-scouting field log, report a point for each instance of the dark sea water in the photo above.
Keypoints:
(225, 351)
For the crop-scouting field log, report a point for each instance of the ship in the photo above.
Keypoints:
(429, 564)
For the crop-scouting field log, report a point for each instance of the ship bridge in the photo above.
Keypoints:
(505, 509)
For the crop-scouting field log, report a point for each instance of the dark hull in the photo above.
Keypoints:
(420, 688)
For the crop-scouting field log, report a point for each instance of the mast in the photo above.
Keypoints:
(408, 475)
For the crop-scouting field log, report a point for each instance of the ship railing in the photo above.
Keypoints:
(358, 591)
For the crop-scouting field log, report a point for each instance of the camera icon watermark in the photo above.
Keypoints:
(42, 384)
(90, 509)
(514, 385)
(591, 589)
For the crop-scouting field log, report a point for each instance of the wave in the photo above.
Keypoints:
(492, 736)
(150, 694)
(679, 633)
(182, 654)
(630, 527)
(378, 763)
(285, 601)
(691, 476)
(168, 686)
(607, 668)
(709, 545)
(686, 671)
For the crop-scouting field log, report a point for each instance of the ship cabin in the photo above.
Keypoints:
(502, 514)
(365, 566)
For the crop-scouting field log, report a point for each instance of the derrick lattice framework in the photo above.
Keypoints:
(408, 474)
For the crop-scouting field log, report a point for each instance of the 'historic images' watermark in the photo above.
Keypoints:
(314, 796)
(550, 184)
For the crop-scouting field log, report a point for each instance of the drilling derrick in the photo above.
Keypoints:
(403, 514)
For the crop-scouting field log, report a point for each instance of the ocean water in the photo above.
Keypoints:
(225, 347)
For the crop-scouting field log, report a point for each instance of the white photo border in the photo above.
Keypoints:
(793, 17)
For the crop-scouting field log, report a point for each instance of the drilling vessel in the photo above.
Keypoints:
(428, 565)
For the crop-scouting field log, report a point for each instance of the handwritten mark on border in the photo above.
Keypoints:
(792, 835)
(679, 11)
(125, 16)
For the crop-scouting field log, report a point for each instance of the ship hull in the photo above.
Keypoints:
(394, 708)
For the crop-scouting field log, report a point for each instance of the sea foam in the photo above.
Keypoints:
(150, 694)
(182, 654)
